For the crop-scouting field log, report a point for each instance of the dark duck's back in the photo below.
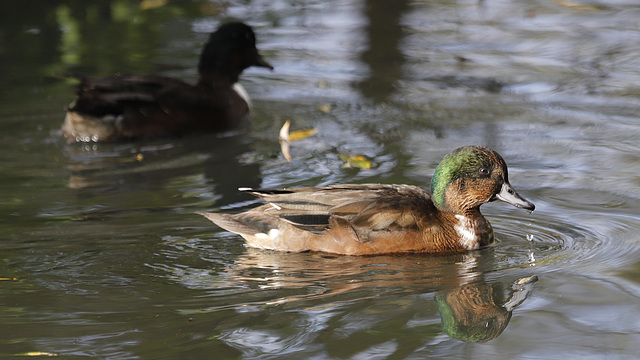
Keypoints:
(131, 107)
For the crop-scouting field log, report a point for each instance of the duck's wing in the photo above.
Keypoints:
(343, 219)
(365, 207)
(110, 96)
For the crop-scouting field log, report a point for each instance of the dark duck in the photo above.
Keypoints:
(139, 107)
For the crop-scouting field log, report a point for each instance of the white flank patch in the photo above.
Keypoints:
(264, 241)
(244, 189)
(467, 233)
(273, 234)
(243, 93)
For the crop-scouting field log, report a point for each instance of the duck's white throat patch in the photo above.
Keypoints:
(467, 233)
(239, 89)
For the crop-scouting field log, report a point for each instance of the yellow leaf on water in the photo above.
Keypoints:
(37, 353)
(528, 279)
(285, 135)
(324, 108)
(301, 134)
(356, 161)
(9, 279)
(138, 158)
(152, 4)
(286, 138)
(577, 6)
(211, 9)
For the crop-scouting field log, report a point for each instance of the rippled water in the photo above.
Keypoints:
(103, 256)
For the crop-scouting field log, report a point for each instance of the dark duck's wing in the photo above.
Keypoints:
(133, 107)
(346, 219)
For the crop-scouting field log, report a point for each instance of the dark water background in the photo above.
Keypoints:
(102, 256)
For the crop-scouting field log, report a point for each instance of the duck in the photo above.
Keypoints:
(373, 219)
(140, 107)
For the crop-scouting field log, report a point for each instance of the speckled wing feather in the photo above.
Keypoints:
(366, 208)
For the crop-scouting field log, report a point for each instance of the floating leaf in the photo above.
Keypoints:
(301, 134)
(285, 141)
(152, 4)
(37, 353)
(286, 138)
(577, 6)
(324, 108)
(211, 9)
(526, 280)
(356, 161)
(284, 131)
(138, 158)
(9, 279)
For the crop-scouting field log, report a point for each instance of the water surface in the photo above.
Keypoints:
(102, 255)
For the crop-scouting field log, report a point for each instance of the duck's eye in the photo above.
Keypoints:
(483, 171)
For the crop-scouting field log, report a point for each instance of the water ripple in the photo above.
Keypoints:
(589, 241)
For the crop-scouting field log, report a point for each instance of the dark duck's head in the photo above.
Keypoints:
(230, 50)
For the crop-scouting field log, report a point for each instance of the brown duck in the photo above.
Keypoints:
(370, 219)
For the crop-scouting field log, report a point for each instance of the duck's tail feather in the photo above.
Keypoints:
(264, 232)
(232, 223)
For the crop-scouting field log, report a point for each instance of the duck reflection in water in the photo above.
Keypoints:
(476, 312)
(471, 309)
(121, 176)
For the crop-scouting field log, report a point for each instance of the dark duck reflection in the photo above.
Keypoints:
(133, 107)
